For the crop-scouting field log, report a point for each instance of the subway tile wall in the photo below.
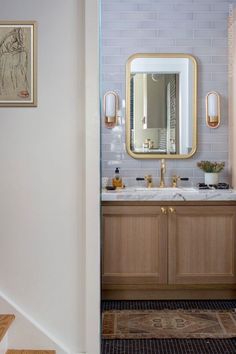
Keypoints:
(197, 27)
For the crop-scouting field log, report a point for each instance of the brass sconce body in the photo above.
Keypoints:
(110, 108)
(213, 109)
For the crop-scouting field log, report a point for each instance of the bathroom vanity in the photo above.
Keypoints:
(166, 243)
(169, 244)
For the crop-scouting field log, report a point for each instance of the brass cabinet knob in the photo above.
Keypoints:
(164, 210)
(171, 210)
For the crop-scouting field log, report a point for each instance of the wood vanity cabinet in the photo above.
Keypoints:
(134, 245)
(168, 247)
(202, 245)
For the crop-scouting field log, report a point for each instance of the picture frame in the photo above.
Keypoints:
(18, 66)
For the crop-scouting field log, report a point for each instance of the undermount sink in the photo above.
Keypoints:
(166, 189)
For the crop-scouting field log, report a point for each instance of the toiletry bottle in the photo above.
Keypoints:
(117, 180)
(146, 144)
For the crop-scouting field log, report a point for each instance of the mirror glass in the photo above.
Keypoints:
(161, 106)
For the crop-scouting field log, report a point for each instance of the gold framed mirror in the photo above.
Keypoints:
(161, 106)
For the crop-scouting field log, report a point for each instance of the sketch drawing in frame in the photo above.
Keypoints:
(18, 64)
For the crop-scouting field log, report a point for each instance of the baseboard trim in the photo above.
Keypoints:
(200, 294)
(35, 324)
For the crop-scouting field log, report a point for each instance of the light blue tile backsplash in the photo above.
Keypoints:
(197, 27)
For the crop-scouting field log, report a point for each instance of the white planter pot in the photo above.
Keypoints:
(211, 178)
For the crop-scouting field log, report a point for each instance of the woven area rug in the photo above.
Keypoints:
(153, 324)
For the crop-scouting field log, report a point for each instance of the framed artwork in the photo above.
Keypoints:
(18, 72)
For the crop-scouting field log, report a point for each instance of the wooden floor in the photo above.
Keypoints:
(14, 351)
(5, 322)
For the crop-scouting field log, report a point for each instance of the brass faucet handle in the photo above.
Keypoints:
(175, 180)
(148, 178)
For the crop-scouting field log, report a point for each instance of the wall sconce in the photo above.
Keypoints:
(110, 106)
(213, 109)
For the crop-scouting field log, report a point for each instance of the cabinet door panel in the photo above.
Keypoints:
(134, 245)
(202, 245)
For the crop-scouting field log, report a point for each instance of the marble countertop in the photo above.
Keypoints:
(172, 194)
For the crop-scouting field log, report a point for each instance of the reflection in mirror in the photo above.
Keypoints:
(161, 106)
(155, 112)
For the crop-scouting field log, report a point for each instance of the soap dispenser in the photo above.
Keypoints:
(117, 180)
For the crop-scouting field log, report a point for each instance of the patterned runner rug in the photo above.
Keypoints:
(151, 324)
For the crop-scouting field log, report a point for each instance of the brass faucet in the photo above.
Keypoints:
(163, 171)
(148, 178)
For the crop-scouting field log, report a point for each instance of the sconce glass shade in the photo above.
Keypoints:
(110, 108)
(213, 109)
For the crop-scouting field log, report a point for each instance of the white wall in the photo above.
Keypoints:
(232, 90)
(41, 177)
(92, 177)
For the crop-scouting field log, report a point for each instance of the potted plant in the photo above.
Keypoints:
(211, 170)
